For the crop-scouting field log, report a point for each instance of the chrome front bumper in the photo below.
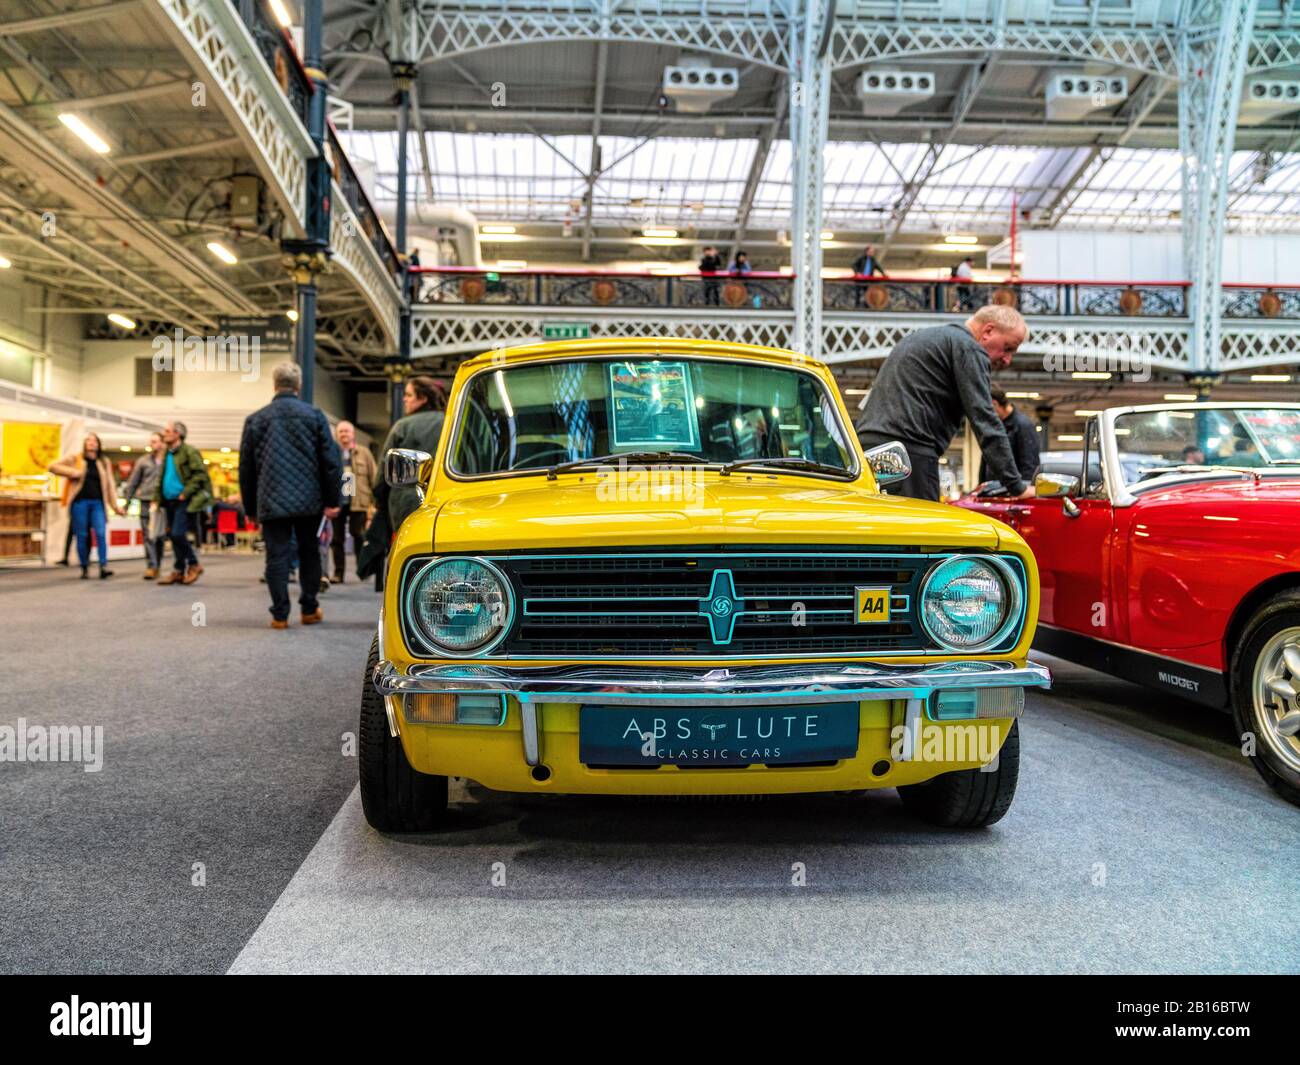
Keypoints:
(745, 685)
(654, 685)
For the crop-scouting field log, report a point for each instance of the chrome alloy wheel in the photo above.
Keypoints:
(1276, 695)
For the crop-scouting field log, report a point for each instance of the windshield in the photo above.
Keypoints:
(539, 415)
(1154, 442)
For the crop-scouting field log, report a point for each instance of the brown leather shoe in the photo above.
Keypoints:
(192, 574)
(277, 624)
(172, 578)
(314, 618)
(151, 573)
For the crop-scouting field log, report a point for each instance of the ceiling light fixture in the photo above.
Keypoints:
(496, 229)
(92, 140)
(658, 231)
(222, 252)
(121, 320)
(960, 238)
(4, 263)
(281, 13)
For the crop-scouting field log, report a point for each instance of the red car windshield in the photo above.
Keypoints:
(1152, 441)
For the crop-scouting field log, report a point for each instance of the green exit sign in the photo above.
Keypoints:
(566, 330)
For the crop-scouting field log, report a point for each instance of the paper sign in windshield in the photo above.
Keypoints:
(653, 406)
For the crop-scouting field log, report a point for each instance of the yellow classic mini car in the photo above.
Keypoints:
(664, 566)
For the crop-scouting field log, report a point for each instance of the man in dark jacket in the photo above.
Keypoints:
(289, 476)
(1021, 433)
(865, 265)
(711, 263)
(933, 378)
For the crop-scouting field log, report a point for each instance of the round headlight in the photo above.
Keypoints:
(461, 605)
(970, 603)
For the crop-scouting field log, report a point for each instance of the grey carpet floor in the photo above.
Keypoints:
(222, 745)
(1139, 842)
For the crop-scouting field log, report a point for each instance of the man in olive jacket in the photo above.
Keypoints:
(290, 476)
(183, 489)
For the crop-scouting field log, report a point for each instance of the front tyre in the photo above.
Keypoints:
(968, 798)
(1266, 692)
(395, 797)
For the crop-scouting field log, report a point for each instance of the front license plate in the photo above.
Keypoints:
(636, 735)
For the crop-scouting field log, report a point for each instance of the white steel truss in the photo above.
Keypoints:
(458, 330)
(1151, 50)
(1212, 54)
(809, 115)
(446, 32)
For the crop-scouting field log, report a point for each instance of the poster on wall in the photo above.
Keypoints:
(28, 448)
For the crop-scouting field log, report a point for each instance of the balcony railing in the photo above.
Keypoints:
(277, 48)
(769, 291)
(1261, 301)
(371, 224)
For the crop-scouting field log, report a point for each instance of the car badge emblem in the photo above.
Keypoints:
(721, 607)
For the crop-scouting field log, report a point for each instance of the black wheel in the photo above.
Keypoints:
(969, 798)
(1266, 692)
(394, 796)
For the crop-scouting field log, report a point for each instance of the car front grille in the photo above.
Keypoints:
(658, 604)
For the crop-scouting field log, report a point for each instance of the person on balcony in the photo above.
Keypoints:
(930, 381)
(964, 271)
(1022, 434)
(740, 264)
(710, 263)
(868, 266)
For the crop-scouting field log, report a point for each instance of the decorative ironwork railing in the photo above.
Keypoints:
(775, 292)
(276, 46)
(1260, 301)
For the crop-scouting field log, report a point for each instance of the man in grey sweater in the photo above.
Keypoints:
(141, 485)
(930, 381)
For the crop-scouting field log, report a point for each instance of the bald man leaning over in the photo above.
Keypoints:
(931, 380)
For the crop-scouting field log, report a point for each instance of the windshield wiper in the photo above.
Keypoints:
(792, 461)
(644, 458)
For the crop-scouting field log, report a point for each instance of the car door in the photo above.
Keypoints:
(1073, 544)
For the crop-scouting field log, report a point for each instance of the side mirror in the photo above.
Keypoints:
(404, 468)
(889, 462)
(1055, 486)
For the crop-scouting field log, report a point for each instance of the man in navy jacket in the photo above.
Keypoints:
(290, 475)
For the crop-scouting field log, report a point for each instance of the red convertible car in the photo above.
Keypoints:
(1169, 553)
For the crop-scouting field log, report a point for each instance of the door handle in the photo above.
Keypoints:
(1020, 512)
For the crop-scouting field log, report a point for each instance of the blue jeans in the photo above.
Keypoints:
(178, 525)
(88, 514)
